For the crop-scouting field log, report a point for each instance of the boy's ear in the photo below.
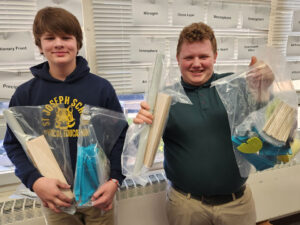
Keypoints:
(40, 50)
(215, 57)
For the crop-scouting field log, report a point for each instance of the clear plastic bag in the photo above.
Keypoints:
(99, 130)
(142, 140)
(31, 126)
(261, 104)
(23, 192)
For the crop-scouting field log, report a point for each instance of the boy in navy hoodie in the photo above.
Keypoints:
(64, 78)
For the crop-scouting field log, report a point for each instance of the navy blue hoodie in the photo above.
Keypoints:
(79, 88)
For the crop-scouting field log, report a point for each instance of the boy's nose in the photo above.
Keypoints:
(196, 62)
(58, 42)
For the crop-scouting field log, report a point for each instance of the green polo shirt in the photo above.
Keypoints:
(199, 156)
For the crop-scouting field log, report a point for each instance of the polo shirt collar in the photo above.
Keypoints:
(205, 85)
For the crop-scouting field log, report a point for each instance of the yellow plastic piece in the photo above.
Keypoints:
(253, 145)
(295, 146)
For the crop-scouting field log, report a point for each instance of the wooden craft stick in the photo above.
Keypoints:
(289, 125)
(269, 123)
(284, 125)
(163, 103)
(278, 121)
(281, 122)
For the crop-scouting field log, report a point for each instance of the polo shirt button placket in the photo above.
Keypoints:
(202, 100)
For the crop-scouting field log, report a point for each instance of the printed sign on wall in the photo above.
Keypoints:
(173, 49)
(150, 12)
(247, 47)
(9, 81)
(16, 47)
(256, 17)
(225, 47)
(296, 21)
(187, 11)
(139, 80)
(294, 69)
(222, 15)
(144, 49)
(293, 46)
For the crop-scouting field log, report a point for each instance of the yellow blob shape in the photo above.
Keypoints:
(253, 145)
(295, 146)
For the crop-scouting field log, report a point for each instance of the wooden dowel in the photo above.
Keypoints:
(161, 111)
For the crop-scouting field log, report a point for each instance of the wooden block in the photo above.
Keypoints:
(43, 158)
(161, 111)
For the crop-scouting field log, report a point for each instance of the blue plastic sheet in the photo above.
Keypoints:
(99, 131)
(88, 172)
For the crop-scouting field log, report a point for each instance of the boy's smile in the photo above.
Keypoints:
(196, 62)
(60, 51)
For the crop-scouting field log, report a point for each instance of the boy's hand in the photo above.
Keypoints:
(144, 116)
(260, 77)
(103, 197)
(259, 80)
(49, 192)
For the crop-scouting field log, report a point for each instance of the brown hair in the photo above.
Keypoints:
(56, 21)
(197, 32)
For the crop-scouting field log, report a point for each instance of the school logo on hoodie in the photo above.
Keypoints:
(64, 118)
(58, 117)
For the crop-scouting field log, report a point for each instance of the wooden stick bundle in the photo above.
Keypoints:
(281, 122)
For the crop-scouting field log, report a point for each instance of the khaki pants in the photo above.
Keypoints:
(187, 211)
(84, 216)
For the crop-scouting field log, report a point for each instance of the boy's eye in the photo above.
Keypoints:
(49, 38)
(67, 37)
